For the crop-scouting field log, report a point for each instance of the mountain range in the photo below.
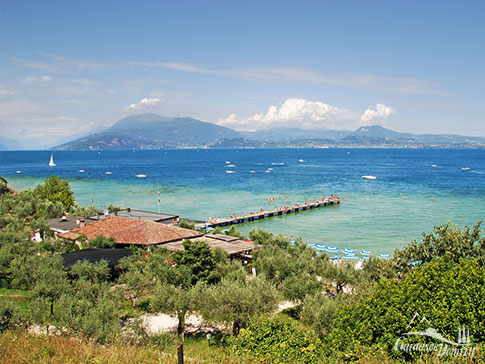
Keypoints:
(9, 144)
(152, 131)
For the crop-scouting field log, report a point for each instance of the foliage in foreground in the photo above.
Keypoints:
(21, 348)
(278, 340)
(441, 278)
(448, 294)
(447, 240)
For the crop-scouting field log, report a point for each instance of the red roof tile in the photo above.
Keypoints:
(136, 232)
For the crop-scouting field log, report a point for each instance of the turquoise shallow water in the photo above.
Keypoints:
(408, 197)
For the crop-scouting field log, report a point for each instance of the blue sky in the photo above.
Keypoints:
(68, 67)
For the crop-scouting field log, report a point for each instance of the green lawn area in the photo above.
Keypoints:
(14, 292)
(18, 297)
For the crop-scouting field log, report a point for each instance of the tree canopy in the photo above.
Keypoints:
(56, 189)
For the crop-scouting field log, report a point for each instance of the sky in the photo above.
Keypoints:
(68, 68)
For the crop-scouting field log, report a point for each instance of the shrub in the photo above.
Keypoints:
(278, 340)
(445, 240)
(101, 242)
(56, 189)
(187, 225)
(446, 293)
(8, 316)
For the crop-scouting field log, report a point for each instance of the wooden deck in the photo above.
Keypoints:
(267, 214)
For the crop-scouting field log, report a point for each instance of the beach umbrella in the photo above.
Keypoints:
(331, 249)
(312, 245)
(335, 258)
(348, 251)
(365, 252)
(320, 247)
(384, 256)
(350, 256)
(292, 242)
(364, 258)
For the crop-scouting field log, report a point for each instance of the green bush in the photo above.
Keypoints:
(3, 186)
(448, 294)
(278, 340)
(56, 189)
(101, 242)
(445, 240)
(8, 316)
(187, 225)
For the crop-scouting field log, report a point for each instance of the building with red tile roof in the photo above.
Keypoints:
(127, 231)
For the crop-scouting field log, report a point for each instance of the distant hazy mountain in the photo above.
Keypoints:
(9, 144)
(375, 135)
(152, 131)
(289, 134)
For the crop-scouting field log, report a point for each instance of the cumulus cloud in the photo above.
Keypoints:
(294, 112)
(144, 104)
(377, 115)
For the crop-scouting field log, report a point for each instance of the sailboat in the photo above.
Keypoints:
(51, 162)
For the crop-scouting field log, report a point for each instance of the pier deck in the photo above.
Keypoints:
(267, 214)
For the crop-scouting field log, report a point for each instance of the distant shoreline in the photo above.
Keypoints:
(431, 147)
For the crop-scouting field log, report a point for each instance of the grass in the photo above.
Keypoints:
(23, 348)
(20, 298)
(20, 347)
(14, 292)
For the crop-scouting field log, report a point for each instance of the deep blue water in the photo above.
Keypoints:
(408, 197)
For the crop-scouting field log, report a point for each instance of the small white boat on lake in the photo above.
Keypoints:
(51, 162)
(141, 176)
(369, 177)
(465, 169)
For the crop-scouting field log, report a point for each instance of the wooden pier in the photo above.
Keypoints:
(267, 214)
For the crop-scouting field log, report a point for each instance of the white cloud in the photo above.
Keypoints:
(31, 79)
(65, 118)
(58, 64)
(174, 66)
(4, 91)
(377, 115)
(144, 103)
(82, 81)
(304, 75)
(295, 112)
(26, 63)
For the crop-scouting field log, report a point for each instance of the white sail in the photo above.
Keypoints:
(51, 162)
